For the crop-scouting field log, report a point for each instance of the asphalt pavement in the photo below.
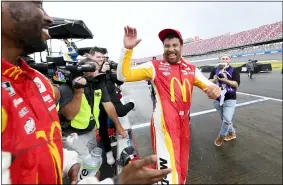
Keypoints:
(255, 157)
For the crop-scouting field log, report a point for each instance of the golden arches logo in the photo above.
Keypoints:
(182, 87)
(53, 149)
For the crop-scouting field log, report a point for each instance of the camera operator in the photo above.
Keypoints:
(31, 149)
(79, 109)
(108, 79)
(228, 79)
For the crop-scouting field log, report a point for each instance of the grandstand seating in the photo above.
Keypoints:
(253, 36)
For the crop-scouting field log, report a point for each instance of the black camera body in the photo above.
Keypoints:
(220, 75)
(47, 68)
(113, 65)
(57, 65)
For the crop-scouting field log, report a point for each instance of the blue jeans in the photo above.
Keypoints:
(226, 114)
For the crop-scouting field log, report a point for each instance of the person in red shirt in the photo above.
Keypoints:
(31, 147)
(30, 124)
(173, 79)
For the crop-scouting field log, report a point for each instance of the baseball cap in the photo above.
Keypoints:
(164, 32)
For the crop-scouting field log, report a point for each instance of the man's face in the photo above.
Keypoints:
(172, 50)
(26, 25)
(99, 57)
(225, 59)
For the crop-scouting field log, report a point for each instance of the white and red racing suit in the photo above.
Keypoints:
(173, 85)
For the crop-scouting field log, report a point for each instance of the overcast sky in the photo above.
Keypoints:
(205, 19)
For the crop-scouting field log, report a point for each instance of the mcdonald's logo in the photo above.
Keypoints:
(182, 87)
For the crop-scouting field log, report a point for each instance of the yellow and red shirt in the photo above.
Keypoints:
(31, 130)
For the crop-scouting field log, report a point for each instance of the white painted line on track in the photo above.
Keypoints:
(258, 96)
(242, 93)
(129, 86)
(142, 125)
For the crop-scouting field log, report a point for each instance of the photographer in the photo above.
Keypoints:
(109, 79)
(79, 109)
(228, 79)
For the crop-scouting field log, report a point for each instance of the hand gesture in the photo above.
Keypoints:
(130, 38)
(212, 91)
(136, 172)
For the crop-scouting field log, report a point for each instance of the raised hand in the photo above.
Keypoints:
(130, 38)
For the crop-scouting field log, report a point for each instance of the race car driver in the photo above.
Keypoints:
(173, 79)
(31, 147)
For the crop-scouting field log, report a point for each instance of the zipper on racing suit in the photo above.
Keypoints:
(182, 111)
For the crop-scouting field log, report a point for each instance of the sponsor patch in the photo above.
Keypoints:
(41, 87)
(17, 102)
(166, 73)
(23, 112)
(30, 126)
(164, 63)
(184, 72)
(164, 68)
(9, 88)
(51, 107)
(47, 98)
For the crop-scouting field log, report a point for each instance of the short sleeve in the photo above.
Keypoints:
(213, 72)
(236, 76)
(105, 96)
(66, 93)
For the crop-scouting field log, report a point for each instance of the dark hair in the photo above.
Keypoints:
(85, 61)
(172, 36)
(98, 50)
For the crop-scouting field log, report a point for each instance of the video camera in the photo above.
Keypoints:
(59, 71)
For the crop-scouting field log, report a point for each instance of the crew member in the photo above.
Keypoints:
(72, 51)
(173, 79)
(31, 147)
(106, 79)
(80, 107)
(31, 134)
(228, 79)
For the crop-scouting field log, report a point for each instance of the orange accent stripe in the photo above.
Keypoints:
(36, 178)
(153, 137)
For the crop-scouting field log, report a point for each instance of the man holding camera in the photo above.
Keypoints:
(31, 147)
(228, 79)
(108, 79)
(80, 107)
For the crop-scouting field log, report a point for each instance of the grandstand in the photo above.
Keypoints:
(266, 36)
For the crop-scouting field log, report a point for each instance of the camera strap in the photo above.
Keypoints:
(89, 93)
(101, 67)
